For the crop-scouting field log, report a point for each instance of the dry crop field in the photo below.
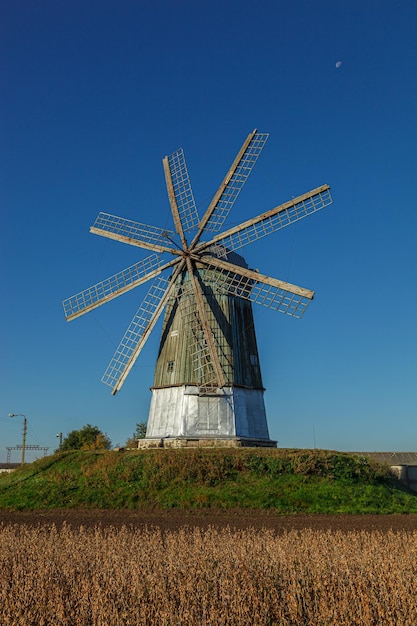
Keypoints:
(116, 575)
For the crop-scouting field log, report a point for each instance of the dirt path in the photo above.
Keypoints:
(171, 520)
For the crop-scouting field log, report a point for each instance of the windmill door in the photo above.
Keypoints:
(210, 418)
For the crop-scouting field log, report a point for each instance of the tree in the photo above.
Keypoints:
(87, 438)
(140, 433)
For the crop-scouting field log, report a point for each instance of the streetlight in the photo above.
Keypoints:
(60, 441)
(25, 424)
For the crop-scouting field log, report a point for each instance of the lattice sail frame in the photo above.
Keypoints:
(182, 190)
(203, 261)
(235, 182)
(135, 331)
(273, 296)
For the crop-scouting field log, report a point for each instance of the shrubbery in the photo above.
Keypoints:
(288, 481)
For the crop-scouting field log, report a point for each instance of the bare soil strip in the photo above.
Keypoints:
(203, 518)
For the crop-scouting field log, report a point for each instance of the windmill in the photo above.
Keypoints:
(207, 385)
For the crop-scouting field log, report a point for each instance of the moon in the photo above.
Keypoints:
(338, 64)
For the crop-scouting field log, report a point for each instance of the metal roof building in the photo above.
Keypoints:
(404, 465)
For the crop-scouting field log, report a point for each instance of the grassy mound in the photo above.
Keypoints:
(287, 481)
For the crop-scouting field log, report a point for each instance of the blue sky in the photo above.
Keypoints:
(95, 94)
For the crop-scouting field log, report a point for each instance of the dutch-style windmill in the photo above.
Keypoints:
(207, 383)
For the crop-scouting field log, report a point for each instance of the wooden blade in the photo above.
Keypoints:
(208, 335)
(272, 220)
(245, 283)
(115, 285)
(138, 331)
(173, 202)
(179, 190)
(226, 195)
(134, 233)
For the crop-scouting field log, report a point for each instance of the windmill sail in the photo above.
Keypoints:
(115, 285)
(270, 292)
(273, 220)
(235, 181)
(133, 340)
(226, 195)
(134, 233)
(179, 188)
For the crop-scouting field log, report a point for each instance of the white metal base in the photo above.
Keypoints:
(231, 412)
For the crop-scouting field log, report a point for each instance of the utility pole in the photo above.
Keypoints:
(25, 428)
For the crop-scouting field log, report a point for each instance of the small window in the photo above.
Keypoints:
(170, 367)
(253, 359)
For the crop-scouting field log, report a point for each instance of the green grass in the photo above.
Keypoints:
(287, 481)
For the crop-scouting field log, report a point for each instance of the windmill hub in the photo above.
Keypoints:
(207, 386)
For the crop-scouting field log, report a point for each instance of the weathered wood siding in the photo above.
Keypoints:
(231, 321)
